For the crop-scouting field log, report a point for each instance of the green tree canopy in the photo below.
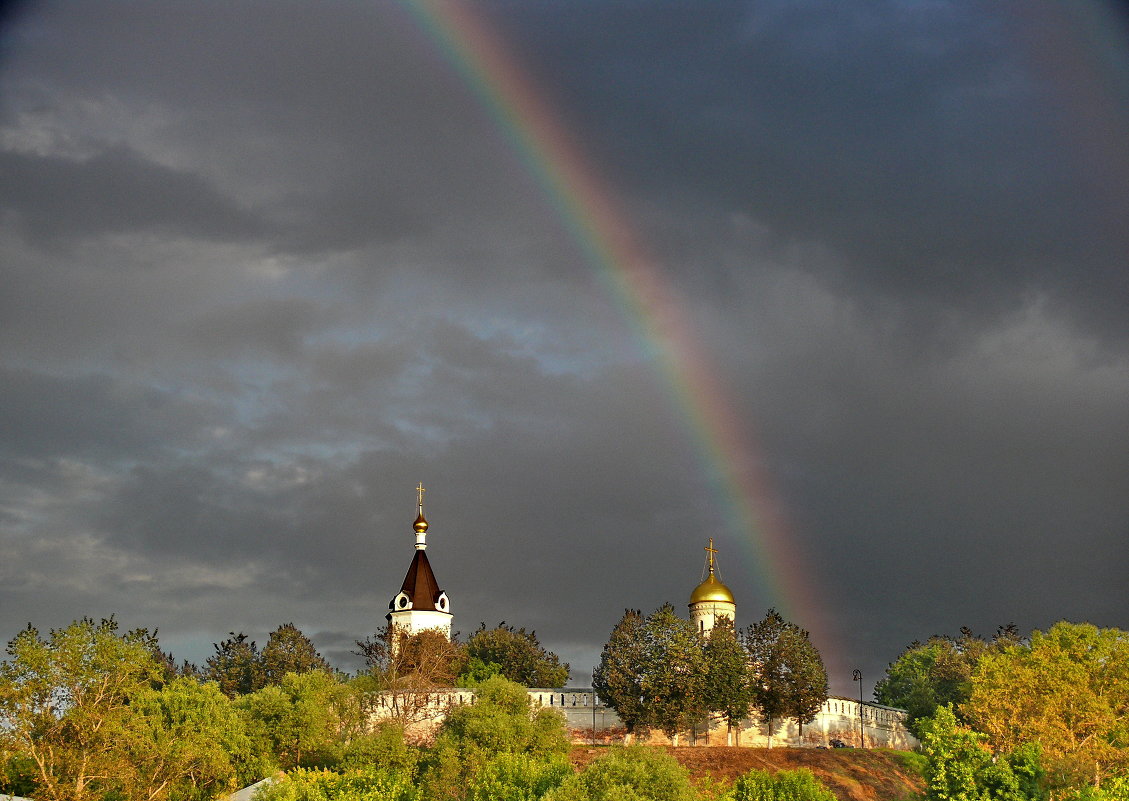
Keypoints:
(518, 655)
(673, 672)
(288, 650)
(64, 701)
(1068, 690)
(185, 741)
(235, 666)
(789, 679)
(617, 679)
(307, 718)
(960, 766)
(728, 686)
(937, 672)
(638, 773)
(500, 724)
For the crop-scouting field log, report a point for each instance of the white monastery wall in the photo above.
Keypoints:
(590, 721)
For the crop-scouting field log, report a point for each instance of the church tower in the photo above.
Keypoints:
(711, 599)
(420, 604)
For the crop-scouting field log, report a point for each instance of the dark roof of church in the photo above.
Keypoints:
(420, 585)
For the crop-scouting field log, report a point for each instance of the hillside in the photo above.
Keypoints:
(852, 774)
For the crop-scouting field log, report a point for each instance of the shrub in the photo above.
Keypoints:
(518, 777)
(383, 748)
(787, 785)
(637, 773)
(370, 784)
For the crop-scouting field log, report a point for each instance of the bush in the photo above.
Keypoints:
(787, 785)
(637, 773)
(518, 777)
(384, 748)
(370, 784)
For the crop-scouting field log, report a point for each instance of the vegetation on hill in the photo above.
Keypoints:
(661, 672)
(88, 713)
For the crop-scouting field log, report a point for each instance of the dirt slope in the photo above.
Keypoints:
(852, 774)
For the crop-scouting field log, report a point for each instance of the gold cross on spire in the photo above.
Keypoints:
(420, 490)
(712, 550)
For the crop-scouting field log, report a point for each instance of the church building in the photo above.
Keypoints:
(711, 599)
(420, 604)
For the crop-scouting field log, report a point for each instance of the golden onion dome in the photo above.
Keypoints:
(712, 590)
(421, 523)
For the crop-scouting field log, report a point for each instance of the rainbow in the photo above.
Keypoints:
(601, 229)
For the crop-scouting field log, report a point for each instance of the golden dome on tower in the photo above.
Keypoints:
(421, 522)
(711, 590)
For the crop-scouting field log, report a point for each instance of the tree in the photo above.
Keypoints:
(405, 670)
(518, 655)
(789, 679)
(673, 672)
(938, 672)
(235, 666)
(728, 690)
(617, 680)
(499, 735)
(1068, 690)
(184, 741)
(288, 650)
(960, 766)
(64, 701)
(307, 718)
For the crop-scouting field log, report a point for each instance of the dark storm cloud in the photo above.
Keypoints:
(922, 143)
(267, 266)
(112, 192)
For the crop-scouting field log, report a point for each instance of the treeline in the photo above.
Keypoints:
(660, 671)
(90, 713)
(502, 749)
(1019, 719)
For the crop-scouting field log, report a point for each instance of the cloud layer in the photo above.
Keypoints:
(267, 266)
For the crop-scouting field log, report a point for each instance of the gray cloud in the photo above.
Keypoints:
(265, 267)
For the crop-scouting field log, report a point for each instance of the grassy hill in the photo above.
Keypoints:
(851, 774)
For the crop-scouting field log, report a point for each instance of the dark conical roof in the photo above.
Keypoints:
(420, 585)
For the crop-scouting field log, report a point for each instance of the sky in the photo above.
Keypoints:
(841, 285)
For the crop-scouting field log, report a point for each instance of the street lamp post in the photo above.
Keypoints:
(857, 676)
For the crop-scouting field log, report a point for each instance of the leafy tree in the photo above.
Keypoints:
(789, 679)
(405, 670)
(307, 718)
(184, 741)
(728, 688)
(475, 671)
(617, 679)
(636, 773)
(235, 666)
(471, 739)
(64, 700)
(1068, 690)
(960, 766)
(518, 655)
(784, 785)
(288, 650)
(385, 747)
(18, 776)
(938, 672)
(673, 672)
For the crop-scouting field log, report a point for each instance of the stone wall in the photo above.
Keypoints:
(838, 720)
